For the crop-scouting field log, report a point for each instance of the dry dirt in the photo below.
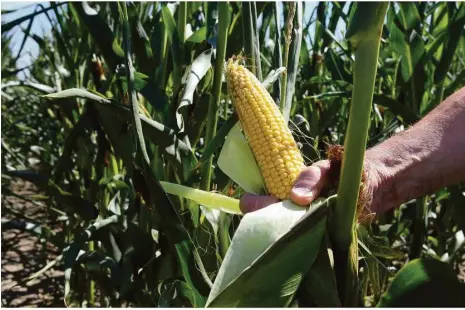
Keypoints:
(23, 254)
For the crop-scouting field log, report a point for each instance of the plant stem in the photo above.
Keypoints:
(356, 137)
(223, 233)
(131, 91)
(212, 118)
(181, 26)
(292, 63)
(91, 287)
(182, 20)
(419, 228)
(364, 33)
(213, 107)
(163, 75)
(250, 35)
(277, 57)
(287, 44)
(256, 42)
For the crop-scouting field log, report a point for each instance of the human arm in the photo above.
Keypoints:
(424, 158)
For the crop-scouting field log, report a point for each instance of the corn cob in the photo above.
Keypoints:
(271, 141)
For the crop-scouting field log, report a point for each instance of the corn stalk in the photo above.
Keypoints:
(364, 34)
(212, 119)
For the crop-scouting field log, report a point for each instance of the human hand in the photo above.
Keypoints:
(310, 184)
(311, 181)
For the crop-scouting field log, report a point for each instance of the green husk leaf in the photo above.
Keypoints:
(272, 249)
(237, 161)
(207, 199)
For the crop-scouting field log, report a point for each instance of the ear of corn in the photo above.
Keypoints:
(270, 139)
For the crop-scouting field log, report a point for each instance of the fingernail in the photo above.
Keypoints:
(303, 191)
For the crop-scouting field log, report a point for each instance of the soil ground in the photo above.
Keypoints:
(23, 254)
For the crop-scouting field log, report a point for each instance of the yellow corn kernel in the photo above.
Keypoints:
(271, 141)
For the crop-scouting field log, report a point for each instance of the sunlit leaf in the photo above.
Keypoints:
(210, 200)
(425, 282)
(237, 161)
(276, 245)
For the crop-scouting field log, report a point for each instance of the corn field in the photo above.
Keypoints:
(125, 128)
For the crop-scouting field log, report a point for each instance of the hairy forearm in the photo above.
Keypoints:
(422, 159)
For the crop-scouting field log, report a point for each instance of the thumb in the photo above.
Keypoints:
(310, 182)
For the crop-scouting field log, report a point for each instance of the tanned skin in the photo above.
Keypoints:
(415, 162)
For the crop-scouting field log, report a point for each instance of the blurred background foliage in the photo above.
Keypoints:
(124, 241)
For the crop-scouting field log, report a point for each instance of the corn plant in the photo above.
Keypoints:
(147, 147)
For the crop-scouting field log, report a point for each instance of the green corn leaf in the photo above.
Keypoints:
(140, 81)
(115, 115)
(175, 43)
(455, 84)
(72, 254)
(425, 282)
(337, 66)
(408, 16)
(155, 96)
(319, 284)
(100, 31)
(272, 77)
(184, 290)
(176, 234)
(185, 258)
(407, 115)
(72, 203)
(455, 33)
(45, 89)
(236, 33)
(219, 137)
(141, 45)
(95, 262)
(197, 71)
(410, 48)
(78, 93)
(376, 246)
(199, 36)
(459, 240)
(64, 162)
(272, 249)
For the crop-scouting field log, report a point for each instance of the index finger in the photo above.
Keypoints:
(250, 202)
